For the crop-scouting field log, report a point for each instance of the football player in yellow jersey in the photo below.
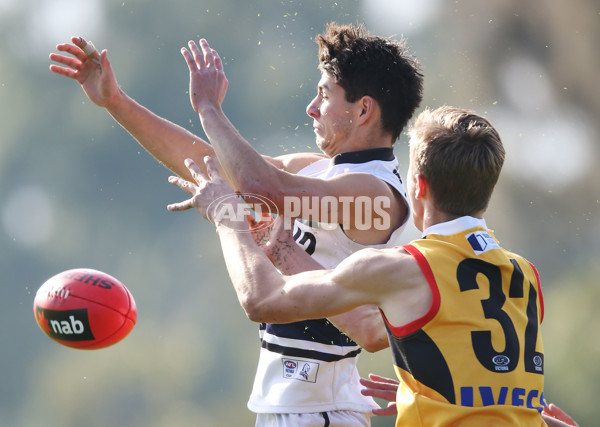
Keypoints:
(463, 314)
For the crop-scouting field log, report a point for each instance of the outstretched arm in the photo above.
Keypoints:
(363, 324)
(208, 86)
(169, 143)
(257, 282)
(248, 172)
(382, 277)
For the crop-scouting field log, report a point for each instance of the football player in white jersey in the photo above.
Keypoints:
(369, 89)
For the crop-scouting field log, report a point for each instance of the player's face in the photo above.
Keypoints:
(332, 116)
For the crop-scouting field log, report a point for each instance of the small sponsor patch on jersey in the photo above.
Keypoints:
(481, 242)
(300, 370)
(501, 362)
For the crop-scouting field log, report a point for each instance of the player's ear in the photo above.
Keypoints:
(421, 186)
(367, 107)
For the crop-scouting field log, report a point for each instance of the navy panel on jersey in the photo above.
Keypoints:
(317, 330)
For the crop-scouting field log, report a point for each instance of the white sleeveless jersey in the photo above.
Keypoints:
(310, 366)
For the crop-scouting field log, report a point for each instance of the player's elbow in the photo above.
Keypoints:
(263, 309)
(253, 313)
(254, 308)
(375, 344)
(371, 340)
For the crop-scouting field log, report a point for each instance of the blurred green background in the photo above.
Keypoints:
(77, 191)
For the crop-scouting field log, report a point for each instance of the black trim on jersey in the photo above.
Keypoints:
(316, 330)
(364, 156)
(427, 364)
(307, 354)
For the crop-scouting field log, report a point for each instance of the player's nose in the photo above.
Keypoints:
(312, 109)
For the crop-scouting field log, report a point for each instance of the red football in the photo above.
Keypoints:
(84, 308)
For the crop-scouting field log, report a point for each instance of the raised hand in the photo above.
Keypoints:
(205, 189)
(92, 70)
(208, 84)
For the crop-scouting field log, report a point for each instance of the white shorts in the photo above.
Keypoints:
(315, 419)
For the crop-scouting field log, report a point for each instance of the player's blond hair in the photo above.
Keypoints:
(460, 154)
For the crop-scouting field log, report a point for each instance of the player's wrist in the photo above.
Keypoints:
(220, 228)
(229, 214)
(208, 108)
(117, 102)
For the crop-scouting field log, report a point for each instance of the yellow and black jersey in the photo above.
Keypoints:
(476, 358)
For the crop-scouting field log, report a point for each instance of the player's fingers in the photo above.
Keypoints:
(91, 51)
(376, 385)
(73, 49)
(196, 172)
(367, 383)
(105, 62)
(378, 378)
(64, 71)
(218, 60)
(211, 168)
(209, 58)
(185, 185)
(554, 411)
(181, 206)
(68, 61)
(388, 395)
(388, 410)
(198, 55)
(189, 59)
(88, 49)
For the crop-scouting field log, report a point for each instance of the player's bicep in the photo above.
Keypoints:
(295, 162)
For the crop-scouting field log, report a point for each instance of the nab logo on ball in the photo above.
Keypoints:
(69, 325)
(84, 308)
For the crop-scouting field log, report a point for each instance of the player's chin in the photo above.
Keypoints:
(321, 142)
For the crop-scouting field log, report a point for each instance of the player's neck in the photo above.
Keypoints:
(359, 145)
(432, 217)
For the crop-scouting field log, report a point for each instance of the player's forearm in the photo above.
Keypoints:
(168, 142)
(246, 169)
(253, 276)
(289, 258)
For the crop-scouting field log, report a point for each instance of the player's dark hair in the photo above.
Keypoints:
(460, 154)
(366, 65)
